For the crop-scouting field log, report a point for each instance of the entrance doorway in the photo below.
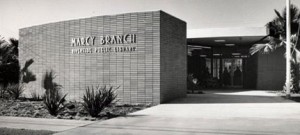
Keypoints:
(222, 67)
(229, 71)
(210, 52)
(232, 72)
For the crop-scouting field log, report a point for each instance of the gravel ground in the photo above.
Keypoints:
(74, 110)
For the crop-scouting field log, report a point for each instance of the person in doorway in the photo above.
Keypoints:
(231, 73)
(237, 77)
(226, 77)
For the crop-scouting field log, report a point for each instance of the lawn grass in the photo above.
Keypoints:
(12, 131)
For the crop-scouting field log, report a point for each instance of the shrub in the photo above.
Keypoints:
(53, 98)
(15, 90)
(95, 100)
(54, 101)
(3, 92)
(9, 63)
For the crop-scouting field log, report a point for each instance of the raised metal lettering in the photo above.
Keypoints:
(120, 39)
(108, 39)
(93, 40)
(102, 40)
(126, 38)
(73, 42)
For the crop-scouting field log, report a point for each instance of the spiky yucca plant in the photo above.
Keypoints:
(96, 99)
(53, 98)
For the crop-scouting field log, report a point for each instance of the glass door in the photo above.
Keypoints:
(232, 72)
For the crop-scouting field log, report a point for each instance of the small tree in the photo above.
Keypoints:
(12, 79)
(9, 63)
(277, 39)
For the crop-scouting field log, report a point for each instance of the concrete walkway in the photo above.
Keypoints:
(224, 113)
(40, 123)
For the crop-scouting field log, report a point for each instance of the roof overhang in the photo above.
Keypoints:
(225, 36)
(226, 32)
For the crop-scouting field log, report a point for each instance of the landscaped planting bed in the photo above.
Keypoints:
(11, 131)
(73, 110)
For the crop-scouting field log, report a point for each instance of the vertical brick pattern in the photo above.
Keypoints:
(137, 73)
(271, 70)
(173, 58)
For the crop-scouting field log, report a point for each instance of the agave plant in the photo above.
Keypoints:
(54, 101)
(277, 39)
(53, 98)
(96, 99)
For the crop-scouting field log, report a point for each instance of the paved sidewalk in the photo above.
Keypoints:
(224, 113)
(40, 123)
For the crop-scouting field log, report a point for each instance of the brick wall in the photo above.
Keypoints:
(137, 73)
(173, 58)
(250, 72)
(271, 70)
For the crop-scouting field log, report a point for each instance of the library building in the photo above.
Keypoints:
(150, 56)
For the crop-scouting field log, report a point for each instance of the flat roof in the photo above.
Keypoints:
(226, 32)
(112, 15)
(215, 37)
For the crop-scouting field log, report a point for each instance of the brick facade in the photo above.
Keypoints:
(154, 73)
(173, 58)
(271, 70)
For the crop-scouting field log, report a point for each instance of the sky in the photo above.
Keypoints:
(199, 14)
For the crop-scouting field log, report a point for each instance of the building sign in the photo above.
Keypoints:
(122, 42)
(83, 41)
(119, 39)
